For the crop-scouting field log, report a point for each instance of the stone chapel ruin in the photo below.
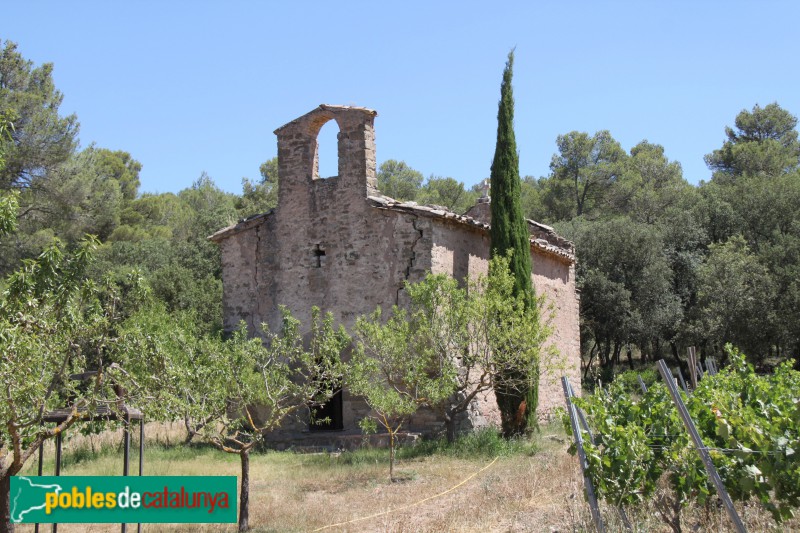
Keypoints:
(339, 244)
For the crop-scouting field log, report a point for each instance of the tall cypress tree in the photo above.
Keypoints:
(509, 231)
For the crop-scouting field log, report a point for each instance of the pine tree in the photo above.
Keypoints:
(509, 234)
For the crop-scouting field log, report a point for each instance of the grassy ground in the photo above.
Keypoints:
(532, 486)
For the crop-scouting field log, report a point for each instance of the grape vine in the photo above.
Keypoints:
(750, 424)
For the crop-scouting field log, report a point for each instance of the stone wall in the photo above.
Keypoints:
(555, 279)
(335, 243)
(324, 245)
(460, 251)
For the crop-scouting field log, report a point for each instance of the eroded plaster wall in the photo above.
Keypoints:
(462, 251)
(328, 245)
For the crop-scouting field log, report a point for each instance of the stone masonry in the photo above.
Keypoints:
(337, 243)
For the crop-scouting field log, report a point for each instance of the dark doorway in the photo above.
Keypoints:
(332, 410)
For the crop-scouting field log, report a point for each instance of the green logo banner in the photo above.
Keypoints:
(121, 499)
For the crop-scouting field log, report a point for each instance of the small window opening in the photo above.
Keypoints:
(319, 255)
(327, 160)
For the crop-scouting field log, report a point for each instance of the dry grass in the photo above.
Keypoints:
(292, 492)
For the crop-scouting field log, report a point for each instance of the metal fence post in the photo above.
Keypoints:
(682, 381)
(692, 367)
(581, 415)
(576, 432)
(701, 448)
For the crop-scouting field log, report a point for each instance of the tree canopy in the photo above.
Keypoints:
(764, 143)
(662, 264)
(41, 138)
(399, 181)
(509, 237)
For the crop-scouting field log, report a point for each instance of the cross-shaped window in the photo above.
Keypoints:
(319, 253)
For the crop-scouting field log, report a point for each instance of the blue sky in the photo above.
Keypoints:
(188, 87)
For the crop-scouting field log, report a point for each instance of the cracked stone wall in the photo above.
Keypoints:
(324, 244)
(327, 244)
(463, 251)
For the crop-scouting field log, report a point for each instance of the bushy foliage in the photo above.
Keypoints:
(509, 236)
(483, 443)
(449, 346)
(748, 422)
(628, 380)
(232, 393)
(399, 181)
(55, 323)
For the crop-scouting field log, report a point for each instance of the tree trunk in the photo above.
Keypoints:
(189, 433)
(670, 511)
(624, 516)
(450, 427)
(589, 363)
(797, 357)
(617, 351)
(244, 501)
(629, 353)
(6, 526)
(391, 455)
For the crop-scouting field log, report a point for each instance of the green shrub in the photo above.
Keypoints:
(628, 379)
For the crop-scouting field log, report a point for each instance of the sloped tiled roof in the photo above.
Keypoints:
(243, 225)
(543, 237)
